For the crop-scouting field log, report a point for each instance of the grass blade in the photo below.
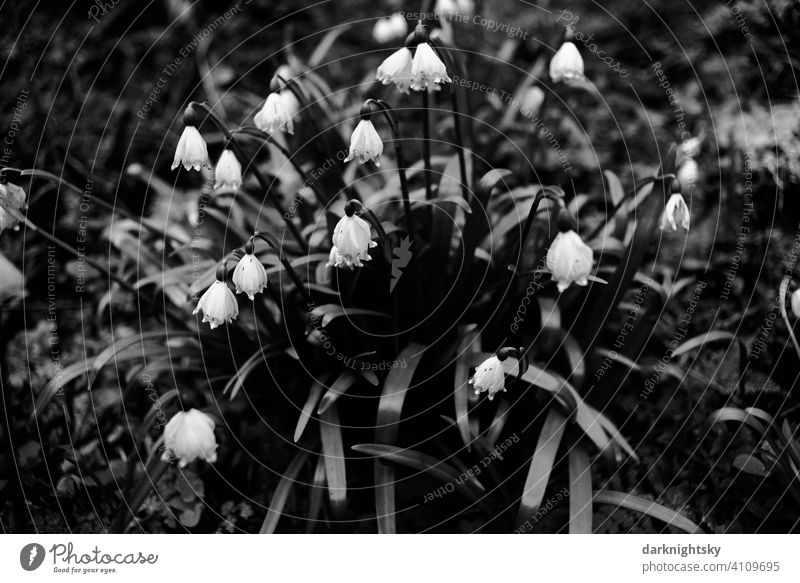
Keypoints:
(648, 507)
(390, 409)
(580, 491)
(541, 464)
(333, 451)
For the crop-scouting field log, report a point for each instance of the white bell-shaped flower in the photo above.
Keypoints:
(390, 28)
(365, 143)
(189, 435)
(569, 260)
(427, 69)
(191, 151)
(566, 64)
(277, 113)
(675, 213)
(489, 377)
(335, 259)
(396, 68)
(228, 171)
(218, 305)
(795, 301)
(352, 240)
(249, 277)
(13, 197)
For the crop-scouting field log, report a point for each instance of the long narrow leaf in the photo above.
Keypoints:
(648, 507)
(580, 491)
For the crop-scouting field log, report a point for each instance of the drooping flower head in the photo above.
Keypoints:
(566, 64)
(249, 277)
(218, 304)
(352, 240)
(277, 113)
(189, 435)
(390, 28)
(396, 68)
(489, 377)
(365, 143)
(228, 171)
(12, 197)
(569, 259)
(191, 151)
(675, 213)
(427, 69)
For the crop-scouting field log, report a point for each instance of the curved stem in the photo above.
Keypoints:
(388, 113)
(260, 177)
(272, 242)
(596, 231)
(257, 133)
(542, 194)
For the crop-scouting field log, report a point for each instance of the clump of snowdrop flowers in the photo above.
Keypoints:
(277, 113)
(676, 212)
(218, 304)
(566, 64)
(249, 277)
(396, 68)
(13, 197)
(228, 171)
(352, 240)
(189, 435)
(427, 69)
(365, 143)
(569, 259)
(191, 151)
(390, 28)
(489, 377)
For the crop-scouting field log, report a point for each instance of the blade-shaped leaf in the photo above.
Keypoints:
(282, 492)
(333, 450)
(390, 409)
(648, 507)
(541, 464)
(580, 491)
(337, 389)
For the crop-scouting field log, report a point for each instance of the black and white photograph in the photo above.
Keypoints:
(349, 268)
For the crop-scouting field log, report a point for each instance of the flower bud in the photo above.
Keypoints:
(566, 64)
(390, 28)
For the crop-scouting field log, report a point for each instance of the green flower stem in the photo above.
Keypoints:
(260, 177)
(426, 144)
(386, 246)
(298, 283)
(542, 194)
(388, 113)
(596, 231)
(257, 133)
(456, 110)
